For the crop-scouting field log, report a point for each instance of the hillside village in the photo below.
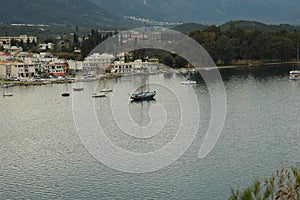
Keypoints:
(18, 64)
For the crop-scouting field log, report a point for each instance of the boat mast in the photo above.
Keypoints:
(297, 62)
(298, 54)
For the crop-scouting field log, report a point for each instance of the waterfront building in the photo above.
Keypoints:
(120, 67)
(137, 66)
(75, 65)
(98, 60)
(57, 68)
(18, 69)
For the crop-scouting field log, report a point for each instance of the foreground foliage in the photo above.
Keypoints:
(285, 184)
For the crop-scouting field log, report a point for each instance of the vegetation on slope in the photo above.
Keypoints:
(285, 184)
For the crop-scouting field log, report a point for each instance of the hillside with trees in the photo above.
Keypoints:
(254, 25)
(236, 45)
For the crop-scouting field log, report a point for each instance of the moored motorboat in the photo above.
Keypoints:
(106, 90)
(188, 82)
(98, 95)
(142, 96)
(65, 94)
(294, 75)
(77, 88)
(7, 94)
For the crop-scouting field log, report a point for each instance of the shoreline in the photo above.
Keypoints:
(252, 65)
(103, 76)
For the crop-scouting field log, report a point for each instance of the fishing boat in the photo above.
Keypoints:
(95, 95)
(142, 96)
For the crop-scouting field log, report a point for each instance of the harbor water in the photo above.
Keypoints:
(42, 154)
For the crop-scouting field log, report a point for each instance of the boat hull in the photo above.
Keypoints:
(98, 95)
(78, 89)
(143, 96)
(188, 82)
(106, 90)
(65, 94)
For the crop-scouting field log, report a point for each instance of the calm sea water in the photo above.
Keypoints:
(42, 156)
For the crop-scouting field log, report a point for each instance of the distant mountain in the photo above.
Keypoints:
(130, 13)
(73, 12)
(207, 11)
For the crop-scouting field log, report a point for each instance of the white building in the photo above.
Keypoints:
(75, 65)
(46, 46)
(97, 62)
(18, 69)
(137, 66)
(120, 67)
(57, 68)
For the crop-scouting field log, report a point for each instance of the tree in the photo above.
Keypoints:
(13, 42)
(179, 62)
(168, 60)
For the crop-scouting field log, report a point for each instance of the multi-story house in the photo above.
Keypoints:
(18, 69)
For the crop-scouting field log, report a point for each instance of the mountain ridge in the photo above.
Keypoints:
(207, 11)
(73, 12)
(243, 24)
(112, 13)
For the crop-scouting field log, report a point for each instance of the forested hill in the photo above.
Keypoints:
(236, 44)
(189, 27)
(246, 25)
(253, 25)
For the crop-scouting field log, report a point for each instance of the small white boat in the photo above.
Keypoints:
(98, 95)
(77, 88)
(188, 82)
(106, 90)
(295, 75)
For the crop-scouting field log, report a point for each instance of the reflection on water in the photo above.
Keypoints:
(42, 155)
